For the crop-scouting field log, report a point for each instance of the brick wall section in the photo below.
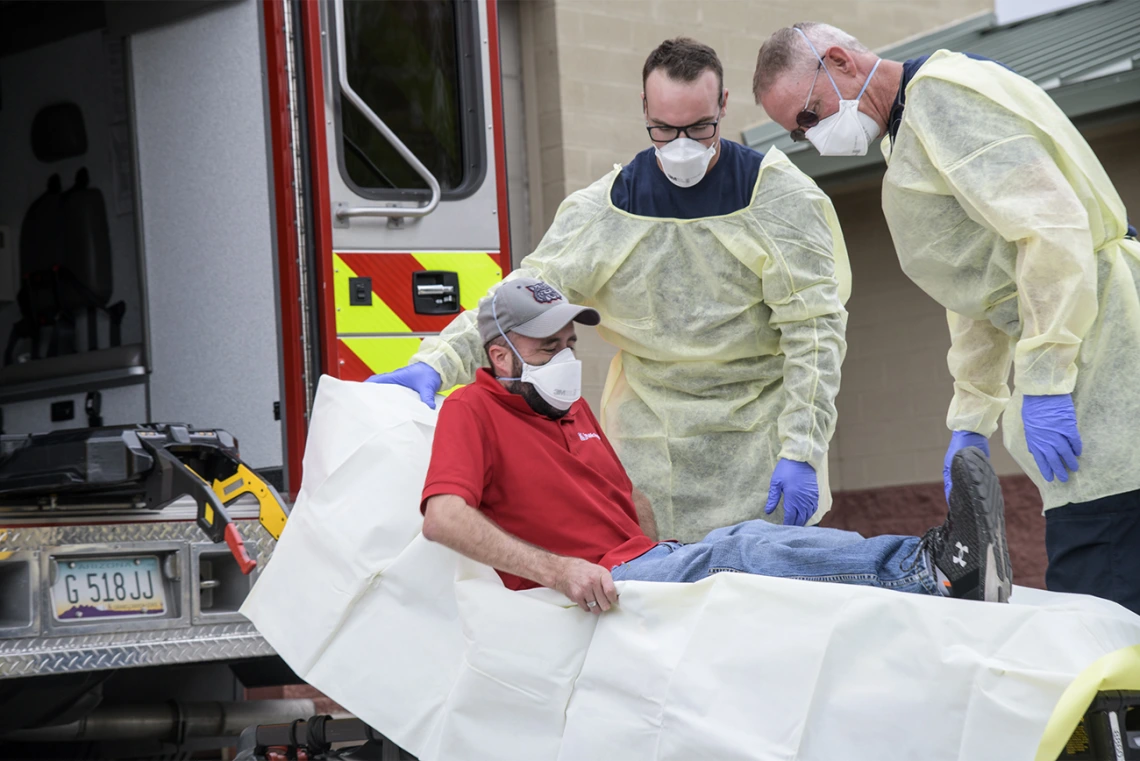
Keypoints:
(913, 508)
(322, 703)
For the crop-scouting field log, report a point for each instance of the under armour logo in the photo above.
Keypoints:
(543, 293)
(962, 550)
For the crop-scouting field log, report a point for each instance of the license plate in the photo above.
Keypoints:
(103, 588)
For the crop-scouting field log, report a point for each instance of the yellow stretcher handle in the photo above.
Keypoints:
(272, 513)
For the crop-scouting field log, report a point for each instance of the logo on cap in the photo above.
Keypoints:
(543, 293)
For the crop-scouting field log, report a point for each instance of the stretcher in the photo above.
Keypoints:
(139, 467)
(429, 649)
(1109, 731)
(314, 740)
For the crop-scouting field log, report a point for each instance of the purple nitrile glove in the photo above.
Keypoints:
(419, 377)
(1051, 433)
(797, 483)
(961, 440)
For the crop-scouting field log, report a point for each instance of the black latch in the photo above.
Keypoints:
(360, 291)
(62, 411)
(435, 292)
(93, 405)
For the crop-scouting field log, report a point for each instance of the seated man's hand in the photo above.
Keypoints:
(588, 584)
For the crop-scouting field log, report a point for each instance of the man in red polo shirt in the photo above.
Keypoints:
(523, 479)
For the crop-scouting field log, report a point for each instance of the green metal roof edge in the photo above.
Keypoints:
(940, 37)
(1101, 94)
(1076, 100)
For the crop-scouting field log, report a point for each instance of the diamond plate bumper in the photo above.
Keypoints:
(45, 646)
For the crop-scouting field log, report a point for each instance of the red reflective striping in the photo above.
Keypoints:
(319, 188)
(289, 281)
(392, 283)
(351, 366)
(499, 136)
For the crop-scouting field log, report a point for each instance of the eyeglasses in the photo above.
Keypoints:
(666, 134)
(806, 119)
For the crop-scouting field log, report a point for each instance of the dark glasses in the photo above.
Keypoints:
(806, 119)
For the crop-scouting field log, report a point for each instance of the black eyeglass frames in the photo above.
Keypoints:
(663, 133)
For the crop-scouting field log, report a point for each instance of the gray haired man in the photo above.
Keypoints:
(1003, 214)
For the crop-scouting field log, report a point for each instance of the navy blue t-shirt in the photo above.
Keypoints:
(642, 188)
(910, 68)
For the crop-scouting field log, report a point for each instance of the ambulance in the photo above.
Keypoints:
(206, 206)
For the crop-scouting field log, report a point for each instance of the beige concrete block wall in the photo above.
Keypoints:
(543, 114)
(602, 45)
(514, 125)
(581, 81)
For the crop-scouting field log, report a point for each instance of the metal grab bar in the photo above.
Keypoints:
(344, 212)
(435, 290)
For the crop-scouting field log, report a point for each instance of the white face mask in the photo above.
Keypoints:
(849, 131)
(559, 381)
(685, 161)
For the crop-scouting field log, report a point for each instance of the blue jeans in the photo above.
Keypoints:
(789, 552)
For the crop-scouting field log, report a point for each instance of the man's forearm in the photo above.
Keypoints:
(805, 281)
(455, 524)
(645, 513)
(455, 353)
(979, 359)
(813, 355)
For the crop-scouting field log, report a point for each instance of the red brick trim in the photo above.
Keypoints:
(913, 508)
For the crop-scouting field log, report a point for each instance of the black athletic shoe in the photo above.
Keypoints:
(969, 549)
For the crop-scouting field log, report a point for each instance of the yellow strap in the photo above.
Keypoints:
(1119, 670)
(271, 514)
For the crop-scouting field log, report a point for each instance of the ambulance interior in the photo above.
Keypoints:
(137, 269)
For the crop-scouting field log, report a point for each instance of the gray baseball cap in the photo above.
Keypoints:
(530, 308)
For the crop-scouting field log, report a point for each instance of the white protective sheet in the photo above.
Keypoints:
(431, 650)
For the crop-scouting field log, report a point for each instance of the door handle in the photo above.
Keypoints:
(435, 290)
(343, 212)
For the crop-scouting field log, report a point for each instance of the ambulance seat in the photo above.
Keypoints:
(65, 250)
